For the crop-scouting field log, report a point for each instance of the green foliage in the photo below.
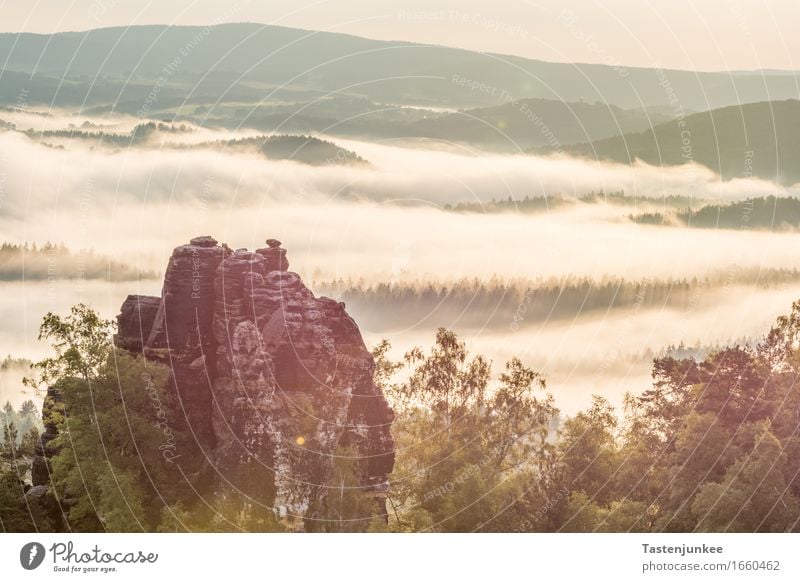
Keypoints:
(112, 415)
(753, 494)
(586, 515)
(714, 439)
(8, 446)
(711, 446)
(17, 512)
(81, 342)
(111, 439)
(25, 420)
(588, 453)
(18, 441)
(227, 511)
(30, 439)
(465, 452)
(346, 506)
(445, 381)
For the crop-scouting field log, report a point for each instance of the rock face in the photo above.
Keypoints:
(273, 382)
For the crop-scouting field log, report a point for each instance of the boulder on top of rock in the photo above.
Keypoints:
(275, 256)
(204, 241)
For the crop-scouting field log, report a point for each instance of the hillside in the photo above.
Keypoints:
(536, 122)
(239, 62)
(304, 149)
(308, 150)
(756, 139)
(766, 213)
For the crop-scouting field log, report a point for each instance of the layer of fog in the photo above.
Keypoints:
(592, 354)
(428, 175)
(137, 205)
(383, 243)
(22, 306)
(12, 389)
(611, 355)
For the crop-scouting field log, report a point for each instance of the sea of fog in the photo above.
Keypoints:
(608, 353)
(385, 223)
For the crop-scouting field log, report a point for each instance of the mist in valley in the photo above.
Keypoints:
(577, 268)
(384, 223)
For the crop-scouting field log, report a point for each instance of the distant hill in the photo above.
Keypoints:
(536, 122)
(308, 150)
(755, 139)
(299, 148)
(304, 149)
(766, 213)
(251, 62)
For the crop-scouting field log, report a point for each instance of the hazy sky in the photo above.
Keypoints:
(689, 34)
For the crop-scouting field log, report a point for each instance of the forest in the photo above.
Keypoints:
(305, 149)
(513, 304)
(711, 446)
(535, 204)
(764, 213)
(50, 261)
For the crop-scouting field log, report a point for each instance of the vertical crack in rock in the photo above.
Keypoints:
(270, 379)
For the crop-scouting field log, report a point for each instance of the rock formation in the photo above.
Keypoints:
(272, 381)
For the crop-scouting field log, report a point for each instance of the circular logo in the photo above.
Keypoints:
(31, 555)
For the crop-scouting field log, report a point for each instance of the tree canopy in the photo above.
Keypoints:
(712, 445)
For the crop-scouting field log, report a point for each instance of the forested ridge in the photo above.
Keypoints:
(764, 213)
(305, 149)
(536, 204)
(516, 303)
(745, 140)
